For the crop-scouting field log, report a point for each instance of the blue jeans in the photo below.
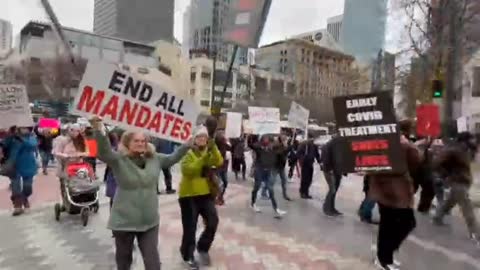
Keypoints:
(222, 174)
(46, 157)
(283, 178)
(366, 209)
(21, 187)
(264, 176)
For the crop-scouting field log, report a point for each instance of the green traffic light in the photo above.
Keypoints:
(437, 94)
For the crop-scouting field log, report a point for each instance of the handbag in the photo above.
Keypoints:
(8, 168)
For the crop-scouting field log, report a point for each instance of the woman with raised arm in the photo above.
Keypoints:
(134, 212)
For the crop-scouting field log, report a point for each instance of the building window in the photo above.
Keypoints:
(193, 76)
(192, 92)
(476, 82)
(205, 103)
(205, 75)
(206, 93)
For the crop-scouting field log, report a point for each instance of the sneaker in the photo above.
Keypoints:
(17, 212)
(204, 258)
(438, 222)
(191, 265)
(280, 213)
(337, 213)
(171, 191)
(26, 205)
(379, 266)
(256, 209)
(474, 237)
(45, 172)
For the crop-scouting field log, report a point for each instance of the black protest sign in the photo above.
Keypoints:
(369, 131)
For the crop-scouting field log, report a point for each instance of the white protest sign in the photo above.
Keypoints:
(298, 116)
(14, 106)
(124, 100)
(234, 125)
(264, 120)
(462, 124)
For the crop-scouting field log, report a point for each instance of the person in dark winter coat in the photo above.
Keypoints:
(293, 158)
(238, 157)
(454, 164)
(330, 164)
(165, 147)
(282, 148)
(223, 147)
(307, 154)
(45, 146)
(265, 162)
(394, 194)
(109, 178)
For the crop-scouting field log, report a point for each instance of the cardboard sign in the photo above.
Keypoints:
(124, 100)
(369, 136)
(428, 120)
(48, 123)
(14, 106)
(234, 125)
(298, 116)
(264, 120)
(462, 125)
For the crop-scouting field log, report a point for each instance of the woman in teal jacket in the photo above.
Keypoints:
(136, 167)
(21, 146)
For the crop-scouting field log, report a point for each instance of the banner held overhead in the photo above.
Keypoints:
(264, 120)
(14, 106)
(124, 100)
(370, 139)
(298, 116)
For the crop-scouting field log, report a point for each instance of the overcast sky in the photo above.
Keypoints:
(287, 17)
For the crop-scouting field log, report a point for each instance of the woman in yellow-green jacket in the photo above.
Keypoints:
(196, 198)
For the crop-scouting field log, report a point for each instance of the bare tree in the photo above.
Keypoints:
(437, 39)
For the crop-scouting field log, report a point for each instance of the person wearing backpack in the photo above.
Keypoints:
(454, 164)
(21, 146)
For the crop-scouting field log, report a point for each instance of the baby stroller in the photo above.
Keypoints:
(79, 190)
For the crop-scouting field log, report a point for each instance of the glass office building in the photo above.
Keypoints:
(363, 28)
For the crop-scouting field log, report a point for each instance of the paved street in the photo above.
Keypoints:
(304, 239)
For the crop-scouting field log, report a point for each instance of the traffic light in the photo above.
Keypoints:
(437, 88)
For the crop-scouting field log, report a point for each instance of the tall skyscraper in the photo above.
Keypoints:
(203, 28)
(5, 36)
(334, 26)
(139, 20)
(363, 29)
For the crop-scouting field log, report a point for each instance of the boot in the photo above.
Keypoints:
(17, 206)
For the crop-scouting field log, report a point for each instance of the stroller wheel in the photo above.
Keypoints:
(95, 208)
(84, 215)
(58, 210)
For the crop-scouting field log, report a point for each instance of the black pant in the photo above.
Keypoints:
(264, 176)
(147, 243)
(333, 182)
(191, 208)
(395, 225)
(93, 162)
(425, 181)
(239, 165)
(306, 180)
(167, 178)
